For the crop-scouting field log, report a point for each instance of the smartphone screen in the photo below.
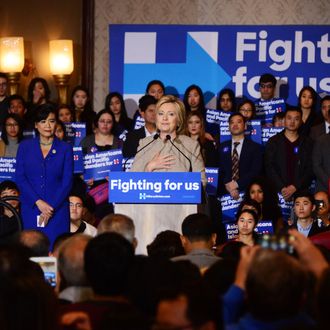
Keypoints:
(49, 267)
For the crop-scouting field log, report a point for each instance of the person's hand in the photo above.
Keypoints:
(234, 194)
(90, 182)
(76, 320)
(209, 137)
(247, 255)
(37, 96)
(160, 162)
(288, 191)
(43, 220)
(44, 208)
(308, 253)
(232, 188)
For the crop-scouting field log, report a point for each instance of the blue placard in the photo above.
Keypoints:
(212, 175)
(75, 132)
(78, 164)
(268, 132)
(98, 164)
(139, 122)
(229, 207)
(7, 168)
(253, 130)
(265, 110)
(155, 187)
(286, 207)
(213, 120)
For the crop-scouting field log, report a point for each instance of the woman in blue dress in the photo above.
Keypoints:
(44, 172)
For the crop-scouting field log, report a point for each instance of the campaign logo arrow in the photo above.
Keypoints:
(199, 69)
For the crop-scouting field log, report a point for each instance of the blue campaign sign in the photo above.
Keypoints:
(98, 164)
(268, 132)
(7, 168)
(229, 207)
(265, 110)
(215, 57)
(75, 132)
(155, 187)
(214, 118)
(212, 174)
(78, 164)
(286, 208)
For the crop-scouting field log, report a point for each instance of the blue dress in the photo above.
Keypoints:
(49, 179)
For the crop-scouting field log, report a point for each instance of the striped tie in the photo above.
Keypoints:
(235, 163)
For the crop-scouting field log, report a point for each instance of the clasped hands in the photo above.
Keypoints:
(46, 211)
(160, 162)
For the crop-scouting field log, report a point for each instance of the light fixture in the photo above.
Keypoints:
(12, 60)
(61, 65)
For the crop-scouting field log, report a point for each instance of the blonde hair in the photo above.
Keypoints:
(180, 110)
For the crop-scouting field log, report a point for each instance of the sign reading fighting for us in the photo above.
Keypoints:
(155, 187)
(215, 57)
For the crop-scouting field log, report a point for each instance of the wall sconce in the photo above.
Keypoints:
(61, 65)
(12, 60)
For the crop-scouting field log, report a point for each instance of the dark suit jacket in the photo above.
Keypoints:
(321, 162)
(315, 229)
(276, 164)
(317, 130)
(250, 164)
(132, 142)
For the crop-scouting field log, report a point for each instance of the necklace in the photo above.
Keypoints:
(46, 144)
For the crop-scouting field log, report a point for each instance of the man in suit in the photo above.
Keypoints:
(321, 162)
(324, 126)
(240, 159)
(147, 106)
(288, 161)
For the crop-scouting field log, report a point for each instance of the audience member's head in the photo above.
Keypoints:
(107, 260)
(167, 244)
(197, 229)
(267, 84)
(120, 224)
(26, 300)
(71, 261)
(275, 285)
(36, 241)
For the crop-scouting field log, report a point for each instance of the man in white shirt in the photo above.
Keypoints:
(77, 224)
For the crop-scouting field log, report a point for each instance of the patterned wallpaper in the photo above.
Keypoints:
(206, 12)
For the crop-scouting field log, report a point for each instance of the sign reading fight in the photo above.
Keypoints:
(155, 187)
(7, 168)
(215, 57)
(97, 165)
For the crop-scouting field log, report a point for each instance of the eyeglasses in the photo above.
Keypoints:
(266, 85)
(3, 85)
(11, 125)
(245, 110)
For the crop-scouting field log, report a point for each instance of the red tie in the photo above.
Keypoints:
(235, 163)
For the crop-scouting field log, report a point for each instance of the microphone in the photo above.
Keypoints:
(155, 137)
(168, 137)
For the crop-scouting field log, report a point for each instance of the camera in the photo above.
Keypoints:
(276, 242)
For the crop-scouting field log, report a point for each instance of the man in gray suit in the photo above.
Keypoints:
(324, 126)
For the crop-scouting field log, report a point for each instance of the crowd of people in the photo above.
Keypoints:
(167, 266)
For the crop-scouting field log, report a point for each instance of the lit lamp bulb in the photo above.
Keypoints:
(61, 65)
(12, 60)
